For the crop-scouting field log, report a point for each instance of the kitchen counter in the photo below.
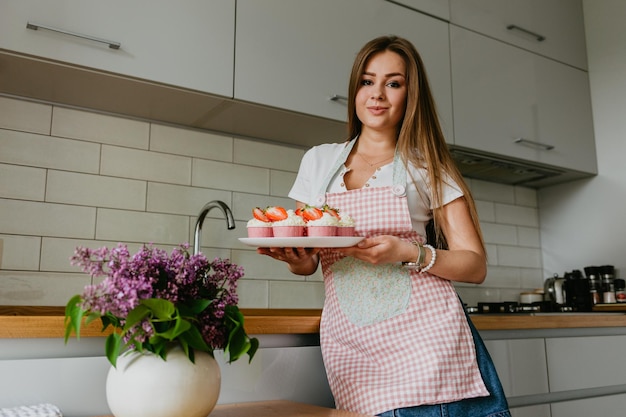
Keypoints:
(276, 409)
(36, 322)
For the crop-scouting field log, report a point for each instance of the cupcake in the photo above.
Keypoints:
(259, 228)
(346, 226)
(291, 226)
(324, 226)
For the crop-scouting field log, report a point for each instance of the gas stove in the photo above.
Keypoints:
(513, 307)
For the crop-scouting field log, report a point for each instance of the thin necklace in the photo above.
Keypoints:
(375, 163)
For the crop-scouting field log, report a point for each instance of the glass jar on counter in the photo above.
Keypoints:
(595, 285)
(607, 273)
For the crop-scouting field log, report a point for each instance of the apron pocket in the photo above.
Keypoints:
(369, 294)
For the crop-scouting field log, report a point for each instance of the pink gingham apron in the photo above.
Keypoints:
(391, 338)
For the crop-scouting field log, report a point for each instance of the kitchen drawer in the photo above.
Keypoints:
(187, 43)
(586, 362)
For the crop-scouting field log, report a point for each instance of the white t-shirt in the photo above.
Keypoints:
(319, 160)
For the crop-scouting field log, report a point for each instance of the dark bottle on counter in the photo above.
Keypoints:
(595, 287)
(620, 290)
(577, 291)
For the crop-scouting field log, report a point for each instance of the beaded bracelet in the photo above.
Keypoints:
(433, 257)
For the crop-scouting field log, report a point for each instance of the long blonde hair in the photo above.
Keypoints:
(420, 140)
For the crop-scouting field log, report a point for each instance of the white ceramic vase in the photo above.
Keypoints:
(144, 385)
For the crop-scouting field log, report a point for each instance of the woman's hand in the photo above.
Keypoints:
(381, 250)
(300, 261)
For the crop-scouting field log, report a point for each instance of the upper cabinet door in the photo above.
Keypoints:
(187, 43)
(437, 8)
(297, 54)
(512, 102)
(553, 28)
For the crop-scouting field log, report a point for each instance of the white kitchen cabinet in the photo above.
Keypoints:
(296, 54)
(521, 365)
(436, 8)
(586, 362)
(187, 43)
(553, 28)
(503, 94)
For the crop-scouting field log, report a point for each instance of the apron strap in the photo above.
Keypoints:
(399, 174)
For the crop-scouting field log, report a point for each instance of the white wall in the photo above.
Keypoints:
(583, 223)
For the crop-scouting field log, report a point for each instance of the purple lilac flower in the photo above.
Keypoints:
(153, 273)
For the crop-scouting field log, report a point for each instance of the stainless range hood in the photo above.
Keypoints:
(501, 170)
(507, 170)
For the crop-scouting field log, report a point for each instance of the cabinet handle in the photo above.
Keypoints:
(36, 26)
(525, 141)
(540, 38)
(337, 97)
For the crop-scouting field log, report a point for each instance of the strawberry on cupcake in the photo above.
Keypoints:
(259, 225)
(285, 223)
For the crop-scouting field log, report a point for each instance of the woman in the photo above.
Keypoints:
(394, 335)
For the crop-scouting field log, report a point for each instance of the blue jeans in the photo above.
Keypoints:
(495, 405)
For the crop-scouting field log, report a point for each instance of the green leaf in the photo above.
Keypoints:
(197, 306)
(112, 347)
(161, 309)
(180, 327)
(73, 317)
(254, 346)
(135, 316)
(194, 338)
(238, 341)
(91, 317)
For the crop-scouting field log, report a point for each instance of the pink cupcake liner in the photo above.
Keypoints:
(345, 231)
(288, 231)
(322, 230)
(260, 231)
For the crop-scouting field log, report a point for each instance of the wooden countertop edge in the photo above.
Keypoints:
(48, 322)
(276, 408)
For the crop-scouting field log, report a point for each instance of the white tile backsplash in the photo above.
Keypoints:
(263, 154)
(95, 190)
(145, 165)
(188, 142)
(519, 256)
(525, 196)
(22, 183)
(226, 176)
(25, 116)
(518, 215)
(99, 128)
(491, 191)
(75, 178)
(135, 226)
(21, 148)
(178, 199)
(44, 219)
(17, 252)
(499, 233)
(39, 288)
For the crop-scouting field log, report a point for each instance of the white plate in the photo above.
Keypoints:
(302, 242)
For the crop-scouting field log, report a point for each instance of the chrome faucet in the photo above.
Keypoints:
(230, 221)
